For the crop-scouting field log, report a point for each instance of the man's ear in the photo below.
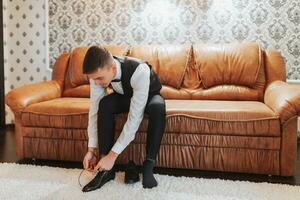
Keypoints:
(114, 66)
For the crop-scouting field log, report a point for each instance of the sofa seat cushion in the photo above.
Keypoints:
(66, 112)
(250, 118)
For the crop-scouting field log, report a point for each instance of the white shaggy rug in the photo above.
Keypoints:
(41, 182)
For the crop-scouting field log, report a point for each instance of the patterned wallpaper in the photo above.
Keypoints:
(25, 52)
(274, 23)
(73, 23)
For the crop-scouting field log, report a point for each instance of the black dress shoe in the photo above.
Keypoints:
(131, 173)
(100, 179)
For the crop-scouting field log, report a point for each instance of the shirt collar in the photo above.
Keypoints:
(118, 67)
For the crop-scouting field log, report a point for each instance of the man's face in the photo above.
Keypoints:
(103, 76)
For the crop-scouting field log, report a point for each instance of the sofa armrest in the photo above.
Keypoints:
(21, 97)
(284, 99)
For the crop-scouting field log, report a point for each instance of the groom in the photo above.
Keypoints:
(136, 91)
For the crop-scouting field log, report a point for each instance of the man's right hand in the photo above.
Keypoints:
(90, 160)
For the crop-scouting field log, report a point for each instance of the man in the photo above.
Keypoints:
(136, 91)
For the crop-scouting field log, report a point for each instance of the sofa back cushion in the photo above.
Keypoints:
(225, 72)
(228, 64)
(77, 83)
(168, 61)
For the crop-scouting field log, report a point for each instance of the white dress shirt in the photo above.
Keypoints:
(139, 81)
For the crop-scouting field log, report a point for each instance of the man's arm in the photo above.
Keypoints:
(96, 94)
(140, 81)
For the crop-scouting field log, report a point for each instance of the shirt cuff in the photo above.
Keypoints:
(93, 142)
(117, 148)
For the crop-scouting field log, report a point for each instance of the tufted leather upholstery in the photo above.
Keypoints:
(228, 109)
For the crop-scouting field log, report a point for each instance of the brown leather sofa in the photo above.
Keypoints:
(229, 108)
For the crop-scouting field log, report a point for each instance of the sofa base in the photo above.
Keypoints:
(170, 156)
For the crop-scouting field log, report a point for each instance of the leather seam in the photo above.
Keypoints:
(167, 116)
(166, 144)
(65, 114)
(53, 138)
(215, 134)
(185, 67)
(287, 121)
(235, 148)
(206, 118)
(259, 62)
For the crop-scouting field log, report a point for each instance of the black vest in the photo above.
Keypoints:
(128, 67)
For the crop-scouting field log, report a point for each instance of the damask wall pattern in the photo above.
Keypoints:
(274, 23)
(25, 42)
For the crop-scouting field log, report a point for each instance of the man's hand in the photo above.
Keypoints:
(89, 161)
(106, 162)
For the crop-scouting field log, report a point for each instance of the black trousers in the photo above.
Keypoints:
(115, 103)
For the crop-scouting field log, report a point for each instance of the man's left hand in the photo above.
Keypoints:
(106, 162)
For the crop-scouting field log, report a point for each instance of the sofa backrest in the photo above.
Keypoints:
(237, 71)
(229, 71)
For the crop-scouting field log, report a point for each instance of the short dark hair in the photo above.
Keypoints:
(96, 57)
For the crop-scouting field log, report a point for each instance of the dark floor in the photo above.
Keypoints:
(7, 154)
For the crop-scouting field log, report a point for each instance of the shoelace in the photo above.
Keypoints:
(79, 177)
